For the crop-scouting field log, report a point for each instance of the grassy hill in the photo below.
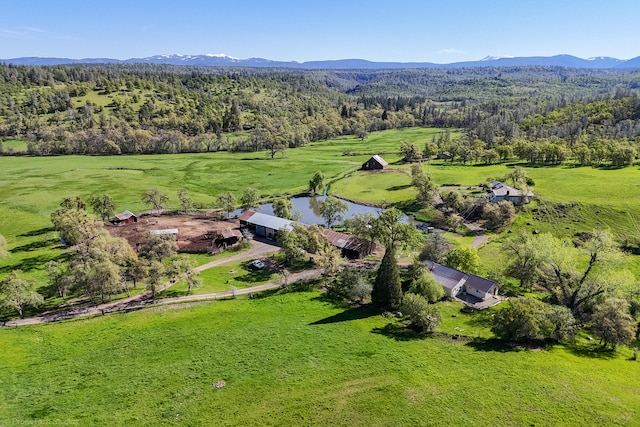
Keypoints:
(296, 359)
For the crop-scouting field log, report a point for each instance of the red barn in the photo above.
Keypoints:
(125, 217)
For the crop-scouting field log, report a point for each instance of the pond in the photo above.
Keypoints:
(309, 209)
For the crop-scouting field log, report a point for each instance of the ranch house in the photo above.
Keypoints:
(501, 191)
(473, 290)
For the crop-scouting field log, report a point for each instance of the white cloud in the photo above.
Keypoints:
(34, 30)
(20, 32)
(5, 32)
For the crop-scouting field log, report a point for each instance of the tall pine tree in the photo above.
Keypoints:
(387, 289)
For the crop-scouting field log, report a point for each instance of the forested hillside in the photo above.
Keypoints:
(541, 114)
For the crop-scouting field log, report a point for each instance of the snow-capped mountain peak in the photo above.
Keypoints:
(221, 55)
(495, 58)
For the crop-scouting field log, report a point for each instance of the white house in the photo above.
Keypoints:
(501, 191)
(456, 283)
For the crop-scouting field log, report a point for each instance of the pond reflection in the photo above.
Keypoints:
(309, 209)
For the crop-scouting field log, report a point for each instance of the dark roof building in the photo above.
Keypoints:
(458, 284)
(351, 246)
(375, 163)
(229, 237)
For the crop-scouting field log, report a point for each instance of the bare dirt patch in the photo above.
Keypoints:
(195, 233)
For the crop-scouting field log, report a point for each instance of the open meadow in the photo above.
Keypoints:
(32, 187)
(573, 199)
(297, 359)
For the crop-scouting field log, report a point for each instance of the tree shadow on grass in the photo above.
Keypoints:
(37, 232)
(409, 206)
(354, 313)
(35, 246)
(172, 293)
(33, 263)
(255, 276)
(479, 318)
(399, 332)
(399, 187)
(591, 350)
(267, 293)
(493, 344)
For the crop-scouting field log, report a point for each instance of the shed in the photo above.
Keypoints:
(375, 163)
(173, 231)
(229, 237)
(351, 246)
(126, 217)
(264, 225)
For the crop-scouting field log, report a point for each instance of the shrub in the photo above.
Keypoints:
(526, 319)
(427, 287)
(422, 315)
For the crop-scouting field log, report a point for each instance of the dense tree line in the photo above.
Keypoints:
(138, 108)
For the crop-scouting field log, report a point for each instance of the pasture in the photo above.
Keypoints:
(32, 187)
(298, 359)
(223, 278)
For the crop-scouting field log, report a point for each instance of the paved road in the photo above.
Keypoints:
(257, 250)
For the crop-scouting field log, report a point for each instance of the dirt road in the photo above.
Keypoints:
(480, 238)
(257, 250)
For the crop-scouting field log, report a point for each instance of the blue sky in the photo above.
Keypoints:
(403, 31)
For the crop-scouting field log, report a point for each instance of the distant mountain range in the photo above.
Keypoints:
(222, 60)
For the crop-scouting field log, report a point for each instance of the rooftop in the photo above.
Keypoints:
(125, 215)
(165, 231)
(268, 221)
(380, 160)
(343, 240)
(450, 277)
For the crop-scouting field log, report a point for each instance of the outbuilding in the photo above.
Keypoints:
(229, 237)
(350, 246)
(375, 163)
(126, 217)
(264, 225)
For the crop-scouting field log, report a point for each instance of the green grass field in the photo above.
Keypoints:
(376, 187)
(296, 359)
(222, 278)
(14, 145)
(32, 187)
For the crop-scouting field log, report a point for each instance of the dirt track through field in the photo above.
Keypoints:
(257, 250)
